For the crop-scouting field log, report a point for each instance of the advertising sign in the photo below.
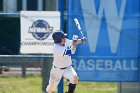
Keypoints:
(36, 31)
(111, 27)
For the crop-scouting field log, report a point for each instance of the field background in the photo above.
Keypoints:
(32, 84)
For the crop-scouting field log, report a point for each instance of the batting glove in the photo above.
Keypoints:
(75, 38)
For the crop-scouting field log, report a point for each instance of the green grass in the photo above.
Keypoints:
(20, 85)
(32, 84)
(95, 87)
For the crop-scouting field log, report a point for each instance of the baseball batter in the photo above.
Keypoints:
(62, 64)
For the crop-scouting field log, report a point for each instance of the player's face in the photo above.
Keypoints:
(63, 41)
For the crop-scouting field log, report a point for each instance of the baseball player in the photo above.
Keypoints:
(62, 64)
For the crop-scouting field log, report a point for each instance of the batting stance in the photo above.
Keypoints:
(62, 64)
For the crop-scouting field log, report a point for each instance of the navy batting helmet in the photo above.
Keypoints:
(57, 36)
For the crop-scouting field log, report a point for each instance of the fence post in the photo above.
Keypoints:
(46, 67)
(119, 87)
(60, 86)
(23, 71)
(60, 8)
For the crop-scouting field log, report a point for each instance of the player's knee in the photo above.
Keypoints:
(75, 79)
(49, 90)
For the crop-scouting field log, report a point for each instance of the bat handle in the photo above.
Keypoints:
(82, 33)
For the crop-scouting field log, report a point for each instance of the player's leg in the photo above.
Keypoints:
(55, 77)
(72, 76)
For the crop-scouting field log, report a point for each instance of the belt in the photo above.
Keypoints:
(61, 68)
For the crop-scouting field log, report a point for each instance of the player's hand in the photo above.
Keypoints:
(75, 38)
(83, 40)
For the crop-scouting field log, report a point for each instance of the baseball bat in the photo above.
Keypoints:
(78, 26)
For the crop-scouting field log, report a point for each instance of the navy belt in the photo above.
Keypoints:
(61, 68)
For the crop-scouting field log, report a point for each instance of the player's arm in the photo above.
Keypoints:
(82, 40)
(75, 42)
(71, 50)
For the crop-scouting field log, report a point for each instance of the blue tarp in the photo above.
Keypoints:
(112, 31)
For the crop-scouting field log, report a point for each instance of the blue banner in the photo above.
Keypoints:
(112, 31)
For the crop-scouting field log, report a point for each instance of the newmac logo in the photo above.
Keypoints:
(40, 30)
(114, 14)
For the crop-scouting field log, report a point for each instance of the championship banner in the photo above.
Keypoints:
(112, 31)
(36, 31)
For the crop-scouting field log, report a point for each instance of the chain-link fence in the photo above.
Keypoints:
(23, 73)
(19, 73)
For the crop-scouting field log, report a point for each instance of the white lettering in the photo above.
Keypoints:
(99, 65)
(39, 30)
(74, 63)
(125, 66)
(118, 65)
(81, 65)
(133, 65)
(93, 21)
(108, 65)
(89, 65)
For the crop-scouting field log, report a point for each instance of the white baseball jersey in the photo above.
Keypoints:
(61, 56)
(62, 59)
